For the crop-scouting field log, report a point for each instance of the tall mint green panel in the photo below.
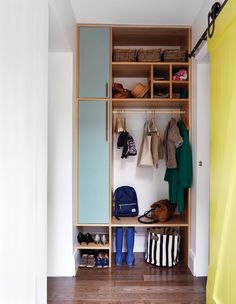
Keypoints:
(94, 62)
(93, 178)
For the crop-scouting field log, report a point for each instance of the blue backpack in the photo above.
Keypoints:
(125, 202)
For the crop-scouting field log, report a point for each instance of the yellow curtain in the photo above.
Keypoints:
(221, 283)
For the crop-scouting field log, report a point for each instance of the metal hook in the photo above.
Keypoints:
(214, 12)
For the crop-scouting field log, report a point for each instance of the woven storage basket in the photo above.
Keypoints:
(175, 55)
(149, 55)
(124, 55)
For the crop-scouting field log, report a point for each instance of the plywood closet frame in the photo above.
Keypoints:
(182, 222)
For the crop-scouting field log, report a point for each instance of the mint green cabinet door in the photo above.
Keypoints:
(93, 164)
(94, 62)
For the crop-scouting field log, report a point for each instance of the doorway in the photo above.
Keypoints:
(199, 251)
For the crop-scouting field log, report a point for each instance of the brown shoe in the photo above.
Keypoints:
(91, 261)
(83, 260)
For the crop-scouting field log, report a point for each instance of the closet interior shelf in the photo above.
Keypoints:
(147, 111)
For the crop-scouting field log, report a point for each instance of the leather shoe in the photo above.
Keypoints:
(89, 238)
(81, 238)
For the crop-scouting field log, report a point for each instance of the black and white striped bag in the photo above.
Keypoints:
(163, 247)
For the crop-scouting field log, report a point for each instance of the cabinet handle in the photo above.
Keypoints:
(106, 120)
(106, 89)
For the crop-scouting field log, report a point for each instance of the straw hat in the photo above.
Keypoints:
(139, 90)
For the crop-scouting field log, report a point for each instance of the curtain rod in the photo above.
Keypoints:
(212, 23)
(147, 111)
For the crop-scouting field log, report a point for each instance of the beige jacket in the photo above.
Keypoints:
(172, 140)
(156, 148)
(156, 143)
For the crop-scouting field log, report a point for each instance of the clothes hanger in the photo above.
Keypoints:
(152, 124)
(156, 124)
(119, 125)
(146, 124)
(124, 121)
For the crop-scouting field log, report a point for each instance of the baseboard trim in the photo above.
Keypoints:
(191, 260)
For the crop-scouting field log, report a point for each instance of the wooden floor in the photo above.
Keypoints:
(141, 283)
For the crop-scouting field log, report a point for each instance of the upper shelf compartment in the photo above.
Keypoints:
(131, 69)
(155, 36)
(150, 57)
(150, 45)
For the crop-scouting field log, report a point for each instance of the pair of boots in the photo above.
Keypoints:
(129, 244)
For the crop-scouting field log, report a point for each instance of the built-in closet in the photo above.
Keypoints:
(99, 167)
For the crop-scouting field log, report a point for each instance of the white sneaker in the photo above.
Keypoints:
(104, 239)
(97, 238)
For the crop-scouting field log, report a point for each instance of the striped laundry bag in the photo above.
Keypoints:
(163, 247)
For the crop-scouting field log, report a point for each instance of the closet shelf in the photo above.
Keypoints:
(180, 81)
(161, 81)
(149, 103)
(130, 63)
(93, 246)
(148, 111)
(175, 221)
(91, 225)
(131, 69)
(143, 69)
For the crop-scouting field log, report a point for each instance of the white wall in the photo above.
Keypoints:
(23, 153)
(62, 38)
(60, 240)
(136, 12)
(62, 26)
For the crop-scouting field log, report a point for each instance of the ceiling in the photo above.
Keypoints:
(149, 12)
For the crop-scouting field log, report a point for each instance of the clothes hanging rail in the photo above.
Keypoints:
(212, 23)
(148, 111)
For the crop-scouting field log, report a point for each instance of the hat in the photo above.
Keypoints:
(139, 90)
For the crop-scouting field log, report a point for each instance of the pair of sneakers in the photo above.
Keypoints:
(102, 260)
(87, 260)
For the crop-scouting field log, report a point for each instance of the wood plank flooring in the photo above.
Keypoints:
(141, 283)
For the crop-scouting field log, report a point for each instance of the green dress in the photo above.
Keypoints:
(181, 177)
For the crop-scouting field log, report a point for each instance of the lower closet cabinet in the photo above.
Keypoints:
(93, 162)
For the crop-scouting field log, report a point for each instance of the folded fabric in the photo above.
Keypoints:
(122, 142)
(126, 141)
(132, 151)
(182, 74)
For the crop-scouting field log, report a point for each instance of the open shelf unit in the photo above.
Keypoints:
(165, 94)
(159, 76)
